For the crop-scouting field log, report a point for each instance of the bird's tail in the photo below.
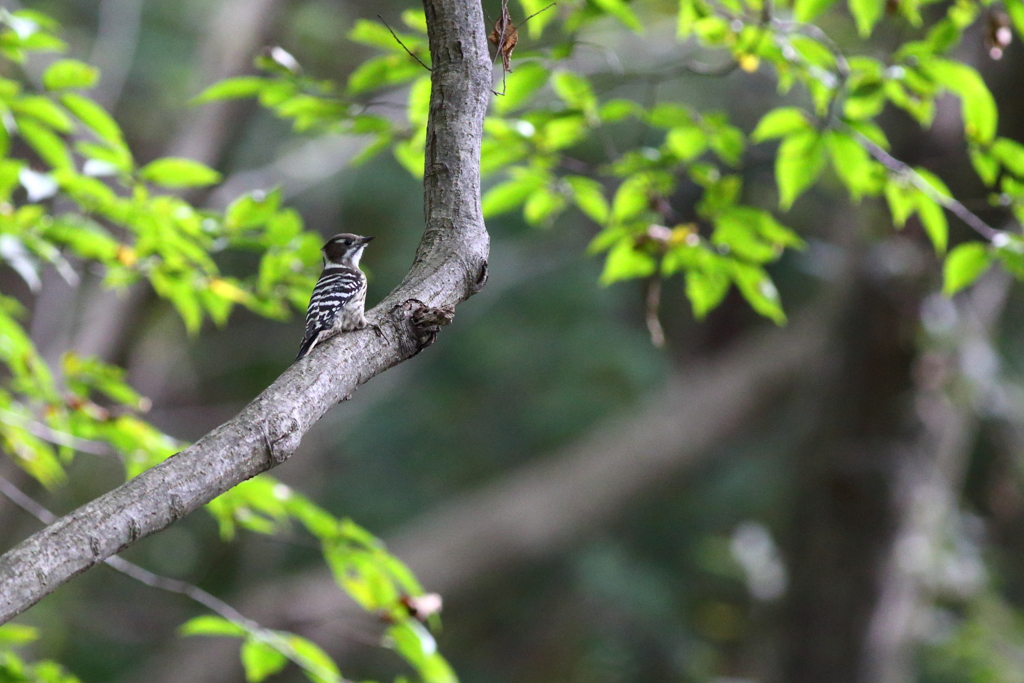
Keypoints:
(307, 345)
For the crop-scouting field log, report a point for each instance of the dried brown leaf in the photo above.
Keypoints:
(504, 37)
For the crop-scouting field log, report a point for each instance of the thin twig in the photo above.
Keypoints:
(653, 305)
(26, 502)
(54, 436)
(952, 205)
(395, 36)
(543, 9)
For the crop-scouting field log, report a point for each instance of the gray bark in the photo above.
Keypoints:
(450, 265)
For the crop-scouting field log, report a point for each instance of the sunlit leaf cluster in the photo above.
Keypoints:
(15, 669)
(377, 581)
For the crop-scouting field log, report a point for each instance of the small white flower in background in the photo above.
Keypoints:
(39, 186)
(753, 548)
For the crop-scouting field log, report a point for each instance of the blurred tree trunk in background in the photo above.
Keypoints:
(844, 519)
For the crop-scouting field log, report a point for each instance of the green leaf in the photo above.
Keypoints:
(866, 13)
(759, 291)
(511, 194)
(809, 10)
(719, 196)
(575, 91)
(1010, 154)
(706, 288)
(209, 625)
(316, 664)
(686, 143)
(384, 70)
(632, 198)
(865, 101)
(541, 17)
(1009, 248)
(44, 109)
(94, 116)
(411, 154)
(416, 19)
(175, 172)
(668, 115)
(979, 107)
(621, 11)
(944, 35)
(814, 52)
(779, 123)
(872, 132)
(70, 73)
(901, 200)
(376, 34)
(799, 162)
(986, 163)
(562, 132)
(933, 219)
(419, 103)
(964, 265)
(688, 15)
(417, 646)
(231, 89)
(933, 180)
(625, 262)
(853, 165)
(89, 193)
(17, 634)
(252, 210)
(736, 231)
(46, 143)
(588, 194)
(543, 205)
(727, 142)
(1015, 8)
(260, 660)
(520, 86)
(618, 109)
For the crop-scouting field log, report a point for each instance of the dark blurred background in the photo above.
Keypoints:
(835, 500)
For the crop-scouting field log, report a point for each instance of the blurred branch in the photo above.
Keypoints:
(233, 38)
(450, 265)
(47, 433)
(117, 37)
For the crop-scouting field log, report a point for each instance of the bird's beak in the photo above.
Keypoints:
(367, 239)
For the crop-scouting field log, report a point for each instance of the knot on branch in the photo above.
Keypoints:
(422, 322)
(481, 279)
(280, 438)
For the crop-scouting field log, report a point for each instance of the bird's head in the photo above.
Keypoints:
(344, 250)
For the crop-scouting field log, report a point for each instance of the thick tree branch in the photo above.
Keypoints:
(450, 265)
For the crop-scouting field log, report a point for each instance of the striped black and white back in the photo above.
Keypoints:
(339, 297)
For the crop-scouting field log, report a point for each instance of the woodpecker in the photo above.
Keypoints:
(336, 304)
